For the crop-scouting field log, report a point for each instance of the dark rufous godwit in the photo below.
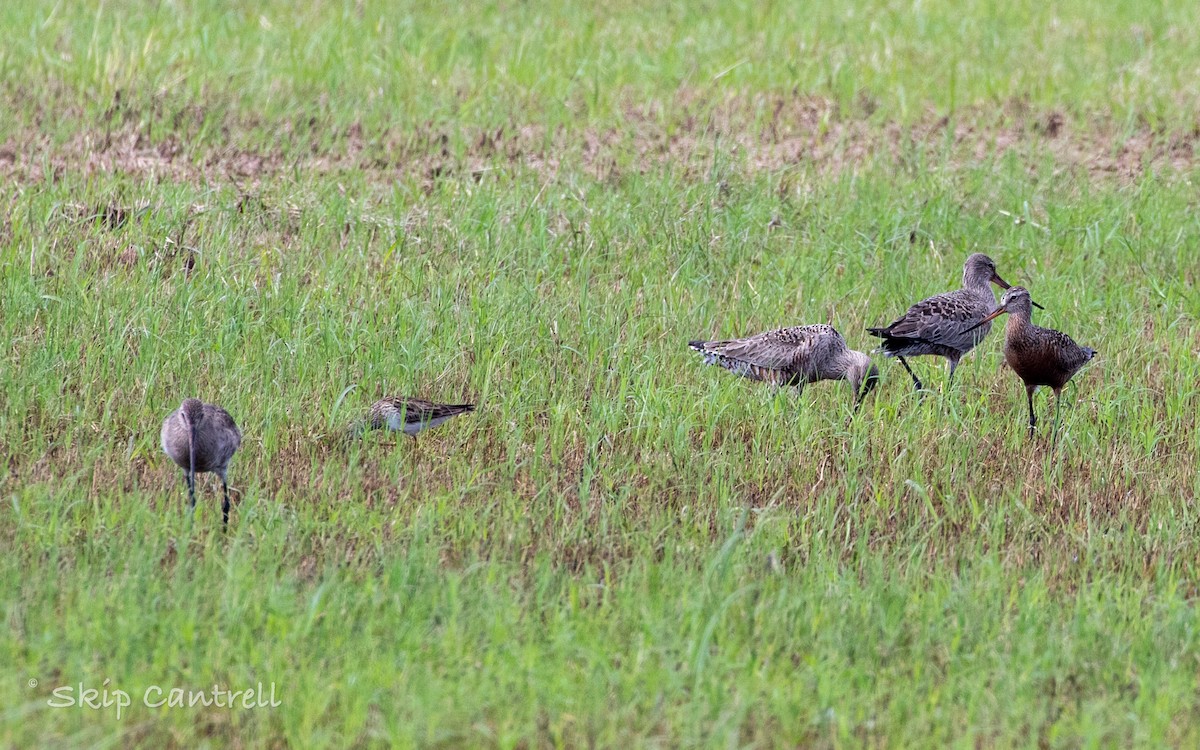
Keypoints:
(1039, 356)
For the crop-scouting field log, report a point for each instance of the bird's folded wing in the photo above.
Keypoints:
(774, 356)
(222, 419)
(437, 411)
(1065, 347)
(419, 410)
(943, 314)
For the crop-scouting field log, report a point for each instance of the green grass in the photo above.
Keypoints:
(621, 547)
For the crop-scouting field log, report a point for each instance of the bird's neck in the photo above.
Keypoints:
(1018, 320)
(841, 365)
(977, 282)
(848, 366)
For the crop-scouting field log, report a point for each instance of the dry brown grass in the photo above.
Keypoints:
(755, 133)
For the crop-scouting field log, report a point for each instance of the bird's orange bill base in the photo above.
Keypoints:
(992, 316)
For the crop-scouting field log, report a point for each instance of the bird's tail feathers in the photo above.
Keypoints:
(892, 344)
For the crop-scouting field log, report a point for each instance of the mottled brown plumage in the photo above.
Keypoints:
(408, 415)
(200, 438)
(945, 325)
(793, 356)
(1039, 356)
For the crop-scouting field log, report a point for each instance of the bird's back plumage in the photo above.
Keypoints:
(1043, 356)
(785, 356)
(409, 415)
(217, 439)
(939, 325)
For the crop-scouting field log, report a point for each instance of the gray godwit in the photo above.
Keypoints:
(944, 325)
(1039, 356)
(407, 415)
(794, 356)
(200, 438)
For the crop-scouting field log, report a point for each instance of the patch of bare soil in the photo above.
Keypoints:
(754, 133)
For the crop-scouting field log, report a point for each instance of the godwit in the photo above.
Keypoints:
(1039, 356)
(201, 437)
(944, 325)
(407, 415)
(794, 356)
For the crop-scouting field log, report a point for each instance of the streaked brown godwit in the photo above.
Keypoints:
(200, 438)
(794, 356)
(407, 415)
(944, 325)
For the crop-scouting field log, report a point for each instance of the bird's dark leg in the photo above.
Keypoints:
(1032, 416)
(953, 366)
(225, 503)
(911, 374)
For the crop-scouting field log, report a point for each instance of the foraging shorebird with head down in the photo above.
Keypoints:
(945, 325)
(1039, 356)
(794, 356)
(407, 415)
(200, 438)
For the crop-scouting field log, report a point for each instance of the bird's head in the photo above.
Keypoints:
(192, 411)
(1015, 301)
(980, 270)
(863, 376)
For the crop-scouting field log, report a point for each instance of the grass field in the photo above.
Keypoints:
(295, 209)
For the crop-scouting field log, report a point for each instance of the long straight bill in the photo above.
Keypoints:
(191, 452)
(992, 316)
